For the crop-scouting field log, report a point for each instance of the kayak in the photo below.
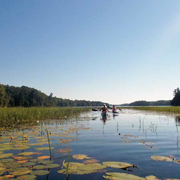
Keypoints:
(115, 111)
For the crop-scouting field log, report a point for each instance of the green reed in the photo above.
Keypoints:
(49, 144)
(10, 117)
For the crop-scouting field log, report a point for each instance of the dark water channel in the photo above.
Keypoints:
(131, 137)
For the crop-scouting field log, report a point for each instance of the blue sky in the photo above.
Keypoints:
(115, 51)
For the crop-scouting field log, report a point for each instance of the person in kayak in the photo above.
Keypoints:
(114, 109)
(104, 109)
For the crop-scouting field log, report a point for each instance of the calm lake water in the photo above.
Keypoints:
(131, 136)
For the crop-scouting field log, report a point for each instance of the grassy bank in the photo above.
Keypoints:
(168, 109)
(15, 116)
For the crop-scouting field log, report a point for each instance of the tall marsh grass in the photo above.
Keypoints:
(15, 116)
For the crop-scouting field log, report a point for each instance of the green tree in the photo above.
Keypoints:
(176, 100)
(2, 95)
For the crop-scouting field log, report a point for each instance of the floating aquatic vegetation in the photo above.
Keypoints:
(39, 167)
(120, 165)
(45, 161)
(19, 158)
(43, 157)
(27, 153)
(26, 177)
(66, 141)
(80, 168)
(63, 150)
(52, 165)
(43, 148)
(80, 156)
(91, 161)
(161, 158)
(40, 172)
(125, 176)
(21, 147)
(21, 171)
(22, 161)
(5, 155)
(177, 161)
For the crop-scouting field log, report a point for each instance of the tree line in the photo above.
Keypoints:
(176, 100)
(11, 96)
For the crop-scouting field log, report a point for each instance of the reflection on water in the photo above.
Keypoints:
(131, 137)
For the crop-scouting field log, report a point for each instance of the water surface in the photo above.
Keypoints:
(131, 137)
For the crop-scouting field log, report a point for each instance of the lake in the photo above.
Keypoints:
(131, 143)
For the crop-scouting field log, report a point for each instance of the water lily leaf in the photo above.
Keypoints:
(5, 155)
(39, 167)
(29, 164)
(44, 157)
(151, 177)
(52, 165)
(7, 176)
(19, 158)
(80, 156)
(27, 153)
(66, 141)
(21, 171)
(69, 136)
(40, 172)
(177, 161)
(161, 158)
(36, 144)
(95, 166)
(2, 168)
(123, 176)
(21, 148)
(43, 148)
(27, 177)
(80, 168)
(115, 164)
(7, 160)
(91, 161)
(23, 161)
(64, 150)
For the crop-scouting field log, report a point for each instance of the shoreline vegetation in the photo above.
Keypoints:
(13, 117)
(166, 109)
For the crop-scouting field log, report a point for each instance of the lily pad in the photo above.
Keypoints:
(27, 153)
(177, 161)
(5, 155)
(161, 158)
(40, 172)
(115, 164)
(27, 177)
(91, 161)
(118, 176)
(21, 171)
(64, 150)
(39, 167)
(52, 165)
(80, 156)
(43, 157)
(43, 148)
(80, 168)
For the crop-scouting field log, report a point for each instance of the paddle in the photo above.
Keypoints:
(95, 110)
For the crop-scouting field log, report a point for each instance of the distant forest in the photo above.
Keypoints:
(149, 103)
(11, 96)
(174, 102)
